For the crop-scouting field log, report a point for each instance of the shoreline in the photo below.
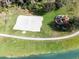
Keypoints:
(54, 53)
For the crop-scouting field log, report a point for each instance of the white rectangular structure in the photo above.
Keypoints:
(28, 23)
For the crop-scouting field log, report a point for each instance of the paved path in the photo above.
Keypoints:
(31, 38)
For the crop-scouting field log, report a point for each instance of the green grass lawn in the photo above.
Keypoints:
(14, 47)
(46, 30)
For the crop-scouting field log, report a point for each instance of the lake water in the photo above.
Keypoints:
(68, 55)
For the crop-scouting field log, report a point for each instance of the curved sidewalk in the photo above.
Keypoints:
(31, 38)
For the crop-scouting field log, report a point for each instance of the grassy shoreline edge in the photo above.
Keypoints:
(36, 47)
(64, 51)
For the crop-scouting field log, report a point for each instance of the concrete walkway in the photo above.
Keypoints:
(31, 38)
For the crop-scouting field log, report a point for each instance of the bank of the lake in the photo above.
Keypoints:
(67, 55)
(12, 47)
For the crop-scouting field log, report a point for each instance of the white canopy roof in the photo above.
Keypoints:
(28, 23)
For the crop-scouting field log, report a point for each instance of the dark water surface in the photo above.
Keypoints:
(68, 55)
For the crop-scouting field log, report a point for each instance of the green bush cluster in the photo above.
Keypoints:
(37, 6)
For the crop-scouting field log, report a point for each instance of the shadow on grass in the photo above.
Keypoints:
(56, 27)
(46, 7)
(74, 25)
(39, 12)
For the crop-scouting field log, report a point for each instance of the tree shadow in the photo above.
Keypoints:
(38, 12)
(74, 25)
(46, 7)
(62, 28)
(76, 22)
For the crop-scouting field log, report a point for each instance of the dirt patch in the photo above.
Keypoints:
(24, 11)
